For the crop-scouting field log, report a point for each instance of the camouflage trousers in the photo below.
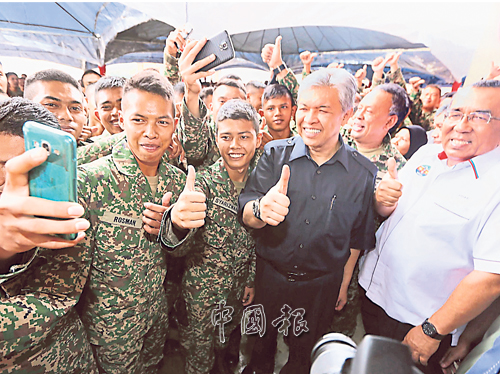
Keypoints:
(138, 348)
(345, 320)
(201, 338)
(66, 349)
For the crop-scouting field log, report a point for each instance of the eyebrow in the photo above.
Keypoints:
(245, 132)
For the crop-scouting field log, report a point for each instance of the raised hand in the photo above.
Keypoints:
(390, 189)
(393, 60)
(335, 65)
(188, 70)
(274, 205)
(190, 210)
(153, 214)
(379, 64)
(175, 42)
(307, 59)
(415, 83)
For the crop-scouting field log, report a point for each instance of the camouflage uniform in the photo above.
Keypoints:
(220, 264)
(198, 138)
(290, 81)
(170, 67)
(345, 320)
(391, 77)
(100, 148)
(124, 306)
(418, 116)
(40, 330)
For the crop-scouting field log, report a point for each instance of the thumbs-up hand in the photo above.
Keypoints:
(390, 189)
(190, 210)
(153, 214)
(274, 205)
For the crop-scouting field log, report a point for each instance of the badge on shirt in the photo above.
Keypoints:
(423, 170)
(225, 204)
(125, 221)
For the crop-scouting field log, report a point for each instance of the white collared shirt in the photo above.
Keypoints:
(446, 224)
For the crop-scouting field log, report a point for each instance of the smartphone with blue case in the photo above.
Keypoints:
(55, 178)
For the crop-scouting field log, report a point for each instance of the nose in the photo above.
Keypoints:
(234, 143)
(63, 114)
(359, 113)
(310, 116)
(463, 125)
(150, 131)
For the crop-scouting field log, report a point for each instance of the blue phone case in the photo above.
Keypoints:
(55, 179)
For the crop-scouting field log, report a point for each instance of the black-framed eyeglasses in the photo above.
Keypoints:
(477, 118)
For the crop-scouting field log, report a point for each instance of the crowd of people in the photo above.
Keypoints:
(212, 208)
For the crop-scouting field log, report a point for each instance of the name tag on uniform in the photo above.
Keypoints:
(125, 221)
(227, 205)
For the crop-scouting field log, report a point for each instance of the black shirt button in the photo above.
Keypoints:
(313, 197)
(301, 246)
(307, 222)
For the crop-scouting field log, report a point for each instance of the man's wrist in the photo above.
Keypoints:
(256, 208)
(431, 331)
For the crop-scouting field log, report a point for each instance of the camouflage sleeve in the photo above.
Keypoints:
(103, 147)
(20, 266)
(250, 283)
(378, 81)
(291, 83)
(416, 108)
(197, 137)
(304, 74)
(170, 67)
(396, 77)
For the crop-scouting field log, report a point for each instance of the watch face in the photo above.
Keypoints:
(429, 329)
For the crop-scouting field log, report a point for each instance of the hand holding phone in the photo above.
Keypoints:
(221, 46)
(54, 179)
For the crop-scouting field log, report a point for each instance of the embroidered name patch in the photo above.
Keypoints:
(423, 170)
(227, 205)
(126, 221)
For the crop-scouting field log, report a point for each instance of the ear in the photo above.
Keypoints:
(176, 122)
(248, 96)
(294, 111)
(391, 122)
(347, 116)
(120, 116)
(262, 123)
(211, 107)
(259, 140)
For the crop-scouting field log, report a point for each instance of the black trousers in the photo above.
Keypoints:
(377, 322)
(317, 297)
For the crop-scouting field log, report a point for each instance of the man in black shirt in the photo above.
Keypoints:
(310, 197)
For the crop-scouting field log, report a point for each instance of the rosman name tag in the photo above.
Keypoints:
(126, 221)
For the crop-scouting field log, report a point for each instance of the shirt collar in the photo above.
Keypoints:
(301, 150)
(480, 164)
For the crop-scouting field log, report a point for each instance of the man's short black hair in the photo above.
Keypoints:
(14, 112)
(400, 101)
(487, 83)
(231, 83)
(48, 75)
(231, 76)
(255, 84)
(108, 82)
(151, 82)
(90, 71)
(206, 91)
(10, 74)
(276, 91)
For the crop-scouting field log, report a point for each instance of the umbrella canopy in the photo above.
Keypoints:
(77, 33)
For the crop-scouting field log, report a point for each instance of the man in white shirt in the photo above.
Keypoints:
(437, 254)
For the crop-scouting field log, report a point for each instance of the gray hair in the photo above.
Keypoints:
(442, 109)
(237, 109)
(340, 79)
(487, 83)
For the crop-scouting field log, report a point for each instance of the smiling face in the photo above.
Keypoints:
(319, 118)
(109, 104)
(463, 140)
(430, 98)
(65, 101)
(278, 112)
(237, 141)
(372, 120)
(148, 121)
(402, 141)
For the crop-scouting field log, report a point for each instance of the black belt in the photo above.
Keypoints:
(293, 276)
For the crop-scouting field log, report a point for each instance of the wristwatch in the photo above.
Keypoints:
(256, 208)
(279, 69)
(431, 331)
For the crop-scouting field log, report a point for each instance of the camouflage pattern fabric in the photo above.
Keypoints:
(198, 138)
(124, 308)
(99, 149)
(380, 160)
(418, 116)
(391, 77)
(171, 67)
(219, 265)
(290, 81)
(40, 330)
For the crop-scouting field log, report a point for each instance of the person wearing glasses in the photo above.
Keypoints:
(436, 265)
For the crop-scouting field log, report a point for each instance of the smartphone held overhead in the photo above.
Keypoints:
(54, 179)
(221, 46)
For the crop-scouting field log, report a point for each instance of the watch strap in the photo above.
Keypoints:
(430, 330)
(279, 69)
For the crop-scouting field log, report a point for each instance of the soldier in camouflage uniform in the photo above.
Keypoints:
(221, 261)
(376, 110)
(124, 306)
(425, 103)
(40, 330)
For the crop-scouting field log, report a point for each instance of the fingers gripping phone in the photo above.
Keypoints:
(221, 46)
(55, 178)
